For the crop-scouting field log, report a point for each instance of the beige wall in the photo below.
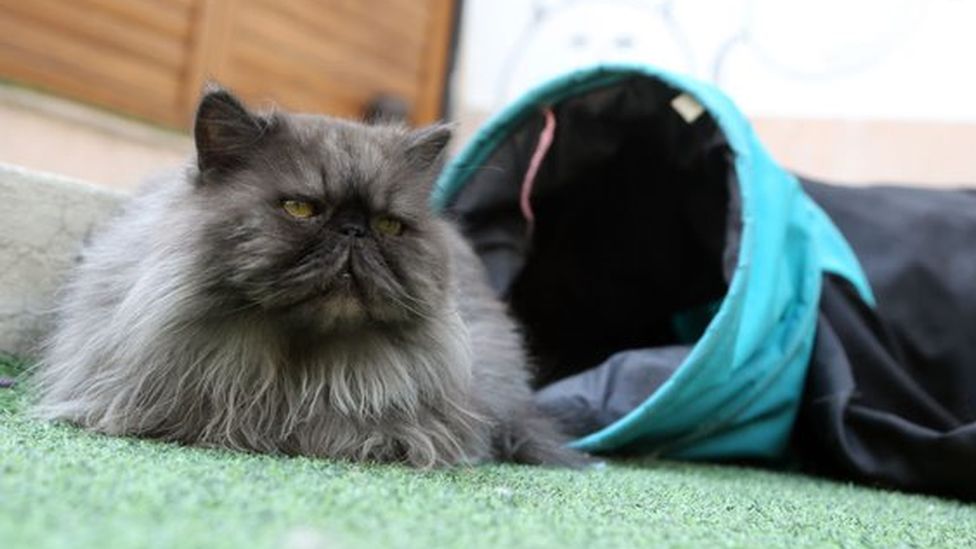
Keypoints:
(874, 151)
(58, 136)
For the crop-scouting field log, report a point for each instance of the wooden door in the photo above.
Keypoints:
(150, 58)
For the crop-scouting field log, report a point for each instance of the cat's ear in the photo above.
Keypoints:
(225, 131)
(426, 147)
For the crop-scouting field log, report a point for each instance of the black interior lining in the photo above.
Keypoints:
(632, 206)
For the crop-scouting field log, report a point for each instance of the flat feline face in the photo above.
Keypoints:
(323, 221)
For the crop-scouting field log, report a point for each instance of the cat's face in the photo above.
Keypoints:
(323, 222)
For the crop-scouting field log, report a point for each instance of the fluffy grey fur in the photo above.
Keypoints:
(206, 314)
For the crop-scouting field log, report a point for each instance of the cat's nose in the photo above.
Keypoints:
(355, 230)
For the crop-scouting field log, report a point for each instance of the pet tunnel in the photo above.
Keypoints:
(683, 295)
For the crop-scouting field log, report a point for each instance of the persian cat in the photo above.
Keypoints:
(292, 292)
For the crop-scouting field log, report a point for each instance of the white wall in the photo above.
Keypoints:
(868, 59)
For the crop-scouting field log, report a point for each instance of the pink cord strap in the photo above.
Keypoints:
(545, 140)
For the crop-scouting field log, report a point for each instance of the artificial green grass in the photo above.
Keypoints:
(61, 487)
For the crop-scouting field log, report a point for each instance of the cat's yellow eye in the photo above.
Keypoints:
(299, 208)
(388, 226)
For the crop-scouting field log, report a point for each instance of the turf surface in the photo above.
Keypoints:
(60, 487)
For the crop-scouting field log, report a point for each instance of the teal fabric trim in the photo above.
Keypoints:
(736, 394)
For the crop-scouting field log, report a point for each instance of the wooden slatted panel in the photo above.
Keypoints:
(150, 58)
(102, 51)
(436, 55)
(330, 56)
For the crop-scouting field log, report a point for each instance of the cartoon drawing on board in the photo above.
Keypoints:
(785, 39)
(565, 34)
(804, 39)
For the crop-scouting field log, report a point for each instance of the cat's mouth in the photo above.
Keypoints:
(342, 302)
(346, 283)
(343, 282)
(343, 287)
(347, 296)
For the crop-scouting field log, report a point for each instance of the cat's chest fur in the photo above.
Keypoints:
(404, 396)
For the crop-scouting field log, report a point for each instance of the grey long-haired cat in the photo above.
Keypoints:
(294, 293)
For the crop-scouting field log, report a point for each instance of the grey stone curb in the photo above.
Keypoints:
(43, 220)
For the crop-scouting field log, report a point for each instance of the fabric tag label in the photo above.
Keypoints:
(686, 106)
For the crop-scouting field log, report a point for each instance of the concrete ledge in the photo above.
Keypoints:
(43, 220)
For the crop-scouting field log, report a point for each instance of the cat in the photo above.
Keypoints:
(293, 292)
